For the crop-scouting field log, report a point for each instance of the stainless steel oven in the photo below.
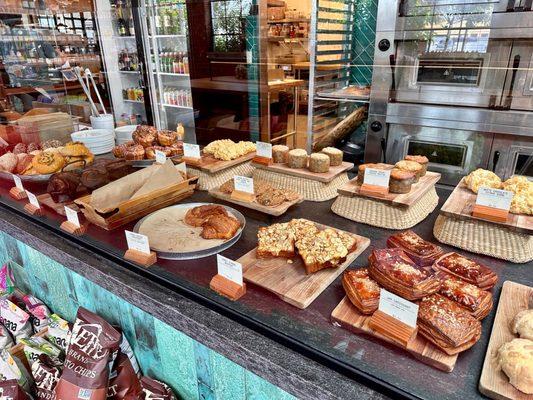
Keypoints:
(512, 156)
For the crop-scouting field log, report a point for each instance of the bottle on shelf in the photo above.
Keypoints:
(122, 26)
(180, 131)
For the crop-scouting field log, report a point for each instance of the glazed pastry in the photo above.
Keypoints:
(411, 166)
(280, 154)
(467, 270)
(74, 149)
(522, 202)
(24, 162)
(144, 135)
(20, 148)
(50, 144)
(166, 137)
(515, 359)
(422, 252)
(481, 177)
(120, 150)
(8, 162)
(176, 149)
(48, 162)
(363, 167)
(474, 300)
(448, 326)
(401, 181)
(422, 160)
(276, 240)
(319, 163)
(362, 290)
(396, 272)
(197, 216)
(135, 152)
(33, 147)
(150, 151)
(220, 226)
(523, 324)
(297, 158)
(335, 155)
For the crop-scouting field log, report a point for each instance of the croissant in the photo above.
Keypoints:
(220, 227)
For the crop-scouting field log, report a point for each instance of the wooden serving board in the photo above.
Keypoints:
(210, 164)
(305, 173)
(493, 382)
(348, 317)
(418, 190)
(47, 201)
(289, 281)
(462, 201)
(276, 211)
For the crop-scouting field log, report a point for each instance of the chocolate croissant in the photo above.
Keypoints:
(63, 186)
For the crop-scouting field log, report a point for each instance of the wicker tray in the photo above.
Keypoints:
(208, 181)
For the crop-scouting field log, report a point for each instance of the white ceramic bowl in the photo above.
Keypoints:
(125, 132)
(92, 135)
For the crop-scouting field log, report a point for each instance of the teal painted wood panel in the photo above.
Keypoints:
(194, 371)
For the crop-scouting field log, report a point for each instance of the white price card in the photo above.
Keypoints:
(72, 216)
(33, 199)
(494, 198)
(160, 157)
(377, 177)
(18, 182)
(263, 149)
(243, 184)
(229, 269)
(191, 150)
(398, 308)
(182, 167)
(137, 242)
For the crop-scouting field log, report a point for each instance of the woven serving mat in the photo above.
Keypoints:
(484, 238)
(377, 213)
(311, 190)
(207, 181)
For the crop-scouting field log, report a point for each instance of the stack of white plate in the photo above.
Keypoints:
(123, 133)
(99, 141)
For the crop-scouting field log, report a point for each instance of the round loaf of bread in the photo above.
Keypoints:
(297, 158)
(280, 154)
(422, 160)
(410, 166)
(401, 181)
(319, 163)
(335, 155)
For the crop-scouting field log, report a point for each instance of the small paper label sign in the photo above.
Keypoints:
(137, 242)
(377, 177)
(229, 269)
(33, 200)
(494, 198)
(191, 150)
(263, 149)
(18, 182)
(398, 308)
(160, 157)
(243, 184)
(182, 167)
(72, 216)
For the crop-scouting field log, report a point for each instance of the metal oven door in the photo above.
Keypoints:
(452, 152)
(518, 90)
(514, 156)
(434, 76)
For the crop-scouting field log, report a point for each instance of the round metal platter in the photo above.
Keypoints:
(201, 253)
(26, 178)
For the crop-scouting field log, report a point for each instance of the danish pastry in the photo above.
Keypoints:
(166, 137)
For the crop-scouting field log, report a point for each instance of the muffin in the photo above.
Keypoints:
(422, 160)
(297, 158)
(335, 156)
(362, 167)
(410, 166)
(280, 154)
(319, 162)
(401, 181)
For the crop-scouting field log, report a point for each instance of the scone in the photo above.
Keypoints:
(515, 359)
(481, 177)
(523, 324)
(522, 188)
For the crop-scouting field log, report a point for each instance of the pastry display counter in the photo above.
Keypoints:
(301, 351)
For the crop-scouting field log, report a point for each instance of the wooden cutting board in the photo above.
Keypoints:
(210, 164)
(305, 173)
(461, 203)
(276, 211)
(494, 383)
(348, 317)
(289, 281)
(418, 190)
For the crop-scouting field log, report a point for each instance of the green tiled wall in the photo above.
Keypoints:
(190, 368)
